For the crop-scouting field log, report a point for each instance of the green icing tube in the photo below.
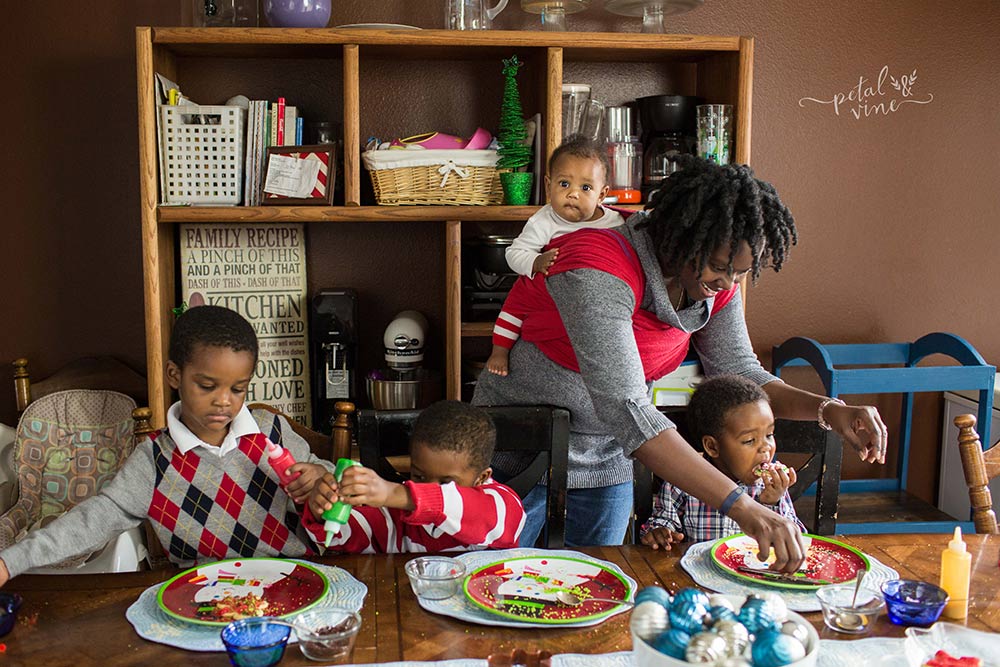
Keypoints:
(335, 517)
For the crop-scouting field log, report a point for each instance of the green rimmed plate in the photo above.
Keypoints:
(524, 589)
(288, 588)
(827, 562)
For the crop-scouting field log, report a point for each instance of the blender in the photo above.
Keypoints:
(669, 130)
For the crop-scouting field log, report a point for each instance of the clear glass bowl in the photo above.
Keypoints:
(327, 633)
(843, 613)
(255, 642)
(435, 577)
(911, 602)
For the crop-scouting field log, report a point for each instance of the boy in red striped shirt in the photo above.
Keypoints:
(450, 503)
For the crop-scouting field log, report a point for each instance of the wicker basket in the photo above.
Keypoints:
(201, 154)
(440, 177)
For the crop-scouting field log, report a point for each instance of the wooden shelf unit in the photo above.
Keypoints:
(717, 68)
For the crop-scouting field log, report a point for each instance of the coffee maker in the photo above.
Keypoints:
(334, 340)
(669, 128)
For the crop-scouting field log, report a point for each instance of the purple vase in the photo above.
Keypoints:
(297, 13)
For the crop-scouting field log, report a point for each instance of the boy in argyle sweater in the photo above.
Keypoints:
(203, 482)
(450, 503)
(731, 418)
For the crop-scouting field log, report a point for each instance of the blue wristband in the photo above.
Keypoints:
(730, 500)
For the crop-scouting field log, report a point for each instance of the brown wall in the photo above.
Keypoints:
(896, 212)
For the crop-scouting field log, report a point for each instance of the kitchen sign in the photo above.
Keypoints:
(260, 272)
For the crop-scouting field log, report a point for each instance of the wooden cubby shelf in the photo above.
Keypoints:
(373, 82)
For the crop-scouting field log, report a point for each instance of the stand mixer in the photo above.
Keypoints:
(405, 384)
(404, 341)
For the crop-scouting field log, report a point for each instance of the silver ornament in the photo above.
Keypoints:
(721, 601)
(774, 649)
(705, 647)
(795, 629)
(648, 620)
(735, 661)
(734, 634)
(778, 606)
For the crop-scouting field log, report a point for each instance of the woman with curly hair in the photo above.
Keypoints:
(619, 309)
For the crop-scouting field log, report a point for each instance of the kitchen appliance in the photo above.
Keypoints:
(334, 340)
(624, 154)
(486, 276)
(574, 101)
(668, 130)
(405, 384)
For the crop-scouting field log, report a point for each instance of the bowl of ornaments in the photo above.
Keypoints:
(692, 626)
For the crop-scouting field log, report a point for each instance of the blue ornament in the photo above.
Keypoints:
(757, 615)
(772, 648)
(654, 593)
(692, 595)
(687, 616)
(673, 642)
(720, 613)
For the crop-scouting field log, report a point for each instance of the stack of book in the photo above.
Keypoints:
(268, 124)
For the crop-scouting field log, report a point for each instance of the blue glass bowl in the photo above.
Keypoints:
(255, 642)
(9, 604)
(910, 602)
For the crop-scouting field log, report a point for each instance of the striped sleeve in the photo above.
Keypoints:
(486, 516)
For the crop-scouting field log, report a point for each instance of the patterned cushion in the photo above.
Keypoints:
(69, 445)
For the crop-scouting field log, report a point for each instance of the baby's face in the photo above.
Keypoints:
(576, 187)
(746, 442)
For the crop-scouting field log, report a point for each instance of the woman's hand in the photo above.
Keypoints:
(772, 531)
(860, 426)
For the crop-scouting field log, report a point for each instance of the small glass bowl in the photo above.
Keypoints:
(841, 615)
(911, 602)
(256, 642)
(9, 604)
(327, 633)
(435, 577)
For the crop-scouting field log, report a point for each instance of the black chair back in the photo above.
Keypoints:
(544, 431)
(822, 468)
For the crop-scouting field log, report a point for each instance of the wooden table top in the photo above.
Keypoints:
(80, 619)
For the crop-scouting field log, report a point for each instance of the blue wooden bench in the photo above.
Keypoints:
(884, 368)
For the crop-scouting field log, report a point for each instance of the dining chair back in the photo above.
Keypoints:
(539, 430)
(330, 447)
(822, 468)
(979, 467)
(68, 446)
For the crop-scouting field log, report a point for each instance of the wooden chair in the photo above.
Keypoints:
(84, 373)
(979, 467)
(822, 468)
(73, 442)
(385, 434)
(335, 446)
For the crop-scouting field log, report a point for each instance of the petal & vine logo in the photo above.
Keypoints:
(884, 96)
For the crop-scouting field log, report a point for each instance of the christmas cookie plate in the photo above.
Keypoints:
(827, 562)
(525, 589)
(221, 592)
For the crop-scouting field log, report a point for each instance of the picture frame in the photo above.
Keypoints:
(299, 175)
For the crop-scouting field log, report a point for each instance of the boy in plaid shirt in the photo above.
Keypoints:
(731, 417)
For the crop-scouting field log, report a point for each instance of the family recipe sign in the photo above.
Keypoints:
(260, 272)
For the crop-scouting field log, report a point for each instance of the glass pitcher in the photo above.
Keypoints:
(471, 14)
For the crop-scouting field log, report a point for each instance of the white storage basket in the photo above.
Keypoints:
(202, 154)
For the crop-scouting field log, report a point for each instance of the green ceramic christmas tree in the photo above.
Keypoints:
(514, 152)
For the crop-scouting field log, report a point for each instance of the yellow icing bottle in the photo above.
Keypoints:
(956, 563)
